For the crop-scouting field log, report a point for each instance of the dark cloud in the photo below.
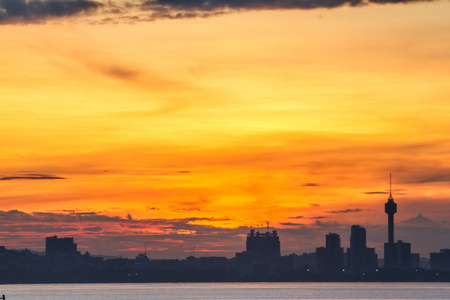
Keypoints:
(344, 211)
(31, 176)
(310, 184)
(122, 10)
(397, 1)
(420, 219)
(317, 218)
(296, 217)
(329, 225)
(22, 10)
(211, 5)
(291, 224)
(375, 193)
(314, 204)
(207, 5)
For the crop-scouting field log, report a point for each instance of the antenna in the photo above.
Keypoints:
(267, 222)
(145, 247)
(390, 183)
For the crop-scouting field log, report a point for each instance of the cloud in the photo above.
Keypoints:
(296, 217)
(375, 193)
(170, 238)
(31, 177)
(22, 10)
(134, 11)
(291, 224)
(310, 184)
(420, 219)
(344, 211)
(206, 5)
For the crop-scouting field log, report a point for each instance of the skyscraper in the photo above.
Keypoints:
(55, 246)
(360, 258)
(266, 244)
(330, 259)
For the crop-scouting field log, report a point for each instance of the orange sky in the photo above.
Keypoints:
(185, 131)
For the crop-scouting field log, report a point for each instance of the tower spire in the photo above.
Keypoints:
(390, 187)
(390, 208)
(390, 183)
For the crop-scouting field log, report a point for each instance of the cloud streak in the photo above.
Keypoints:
(32, 177)
(132, 11)
(344, 211)
(23, 10)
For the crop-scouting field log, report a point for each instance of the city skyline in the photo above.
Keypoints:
(184, 124)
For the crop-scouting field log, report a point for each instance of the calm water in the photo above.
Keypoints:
(227, 291)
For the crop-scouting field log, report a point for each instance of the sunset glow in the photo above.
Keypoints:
(181, 131)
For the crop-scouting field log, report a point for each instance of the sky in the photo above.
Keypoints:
(176, 126)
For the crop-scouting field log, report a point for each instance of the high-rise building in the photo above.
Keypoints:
(398, 255)
(55, 246)
(440, 261)
(330, 260)
(265, 244)
(360, 258)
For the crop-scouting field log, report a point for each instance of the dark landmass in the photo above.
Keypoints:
(23, 266)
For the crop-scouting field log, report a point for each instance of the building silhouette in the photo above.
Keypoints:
(440, 261)
(330, 260)
(265, 244)
(360, 258)
(390, 208)
(55, 246)
(396, 255)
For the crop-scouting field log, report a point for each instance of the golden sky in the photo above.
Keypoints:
(186, 126)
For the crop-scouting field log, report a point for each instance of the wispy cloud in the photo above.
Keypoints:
(375, 193)
(344, 211)
(291, 224)
(296, 217)
(32, 177)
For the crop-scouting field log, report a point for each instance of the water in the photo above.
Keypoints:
(135, 291)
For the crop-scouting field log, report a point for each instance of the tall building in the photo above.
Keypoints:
(390, 248)
(390, 208)
(396, 255)
(263, 244)
(440, 261)
(330, 260)
(360, 258)
(55, 246)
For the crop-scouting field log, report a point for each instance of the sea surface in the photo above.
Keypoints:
(260, 290)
